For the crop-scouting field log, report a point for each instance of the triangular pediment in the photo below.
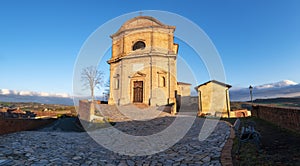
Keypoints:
(139, 74)
(161, 72)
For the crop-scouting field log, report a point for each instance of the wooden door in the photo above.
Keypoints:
(138, 91)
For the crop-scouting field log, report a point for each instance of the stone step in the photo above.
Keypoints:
(114, 112)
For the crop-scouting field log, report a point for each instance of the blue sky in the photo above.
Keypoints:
(258, 41)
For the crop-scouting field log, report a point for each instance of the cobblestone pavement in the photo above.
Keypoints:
(78, 148)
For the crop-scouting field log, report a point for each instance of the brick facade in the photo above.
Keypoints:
(15, 125)
(286, 117)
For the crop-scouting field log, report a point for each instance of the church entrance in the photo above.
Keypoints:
(138, 91)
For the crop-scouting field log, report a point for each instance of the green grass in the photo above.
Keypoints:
(279, 146)
(249, 155)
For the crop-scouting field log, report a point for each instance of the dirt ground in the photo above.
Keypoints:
(279, 146)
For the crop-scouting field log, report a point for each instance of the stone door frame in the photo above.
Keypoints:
(140, 93)
(138, 77)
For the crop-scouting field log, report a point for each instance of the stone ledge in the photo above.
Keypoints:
(226, 158)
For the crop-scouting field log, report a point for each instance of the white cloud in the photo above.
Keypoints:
(279, 84)
(5, 91)
(45, 94)
(62, 95)
(31, 93)
(25, 93)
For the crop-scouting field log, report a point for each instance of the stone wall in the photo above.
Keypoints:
(85, 111)
(286, 117)
(15, 125)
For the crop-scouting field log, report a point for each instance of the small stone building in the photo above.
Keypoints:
(183, 95)
(184, 89)
(143, 63)
(213, 99)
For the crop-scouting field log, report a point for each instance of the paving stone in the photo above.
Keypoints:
(206, 159)
(77, 158)
(130, 162)
(122, 164)
(78, 148)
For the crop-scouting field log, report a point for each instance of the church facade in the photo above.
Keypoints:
(143, 63)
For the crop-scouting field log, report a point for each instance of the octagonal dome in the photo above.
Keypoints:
(141, 22)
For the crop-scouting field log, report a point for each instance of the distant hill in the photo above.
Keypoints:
(36, 99)
(284, 89)
(7, 95)
(282, 101)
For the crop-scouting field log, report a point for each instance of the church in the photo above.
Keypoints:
(143, 63)
(143, 71)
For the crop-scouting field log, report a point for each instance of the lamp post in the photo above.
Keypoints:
(250, 89)
(105, 96)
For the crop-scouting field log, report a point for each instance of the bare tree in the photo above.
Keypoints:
(92, 78)
(107, 90)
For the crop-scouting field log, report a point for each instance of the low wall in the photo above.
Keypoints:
(86, 111)
(286, 117)
(15, 125)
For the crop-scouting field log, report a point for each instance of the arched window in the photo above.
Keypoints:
(162, 81)
(116, 83)
(138, 45)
